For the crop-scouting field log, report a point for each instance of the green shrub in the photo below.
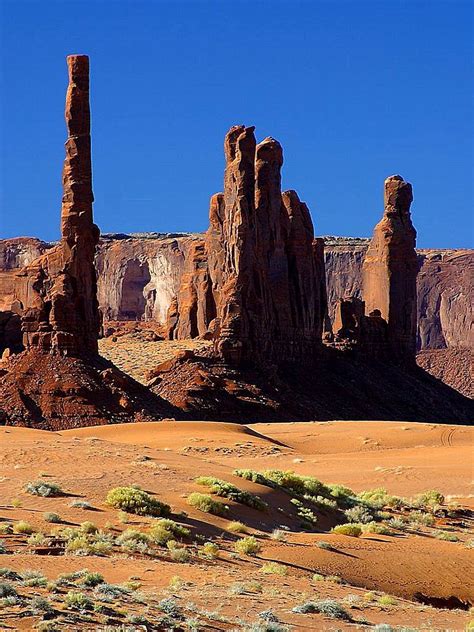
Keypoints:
(248, 546)
(3, 548)
(37, 539)
(445, 535)
(227, 490)
(324, 545)
(273, 568)
(376, 528)
(52, 517)
(178, 530)
(327, 607)
(23, 527)
(375, 498)
(304, 512)
(207, 504)
(77, 601)
(180, 555)
(430, 498)
(88, 527)
(160, 535)
(351, 529)
(386, 600)
(136, 501)
(210, 550)
(91, 580)
(80, 504)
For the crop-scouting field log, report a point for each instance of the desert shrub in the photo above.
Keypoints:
(37, 539)
(248, 546)
(91, 580)
(386, 600)
(227, 490)
(273, 568)
(77, 601)
(210, 550)
(32, 578)
(52, 517)
(5, 528)
(207, 504)
(469, 544)
(16, 503)
(159, 535)
(324, 545)
(397, 523)
(431, 498)
(278, 534)
(80, 504)
(132, 535)
(446, 535)
(173, 527)
(375, 498)
(23, 527)
(236, 527)
(170, 607)
(43, 488)
(88, 527)
(9, 573)
(422, 518)
(327, 607)
(41, 606)
(343, 494)
(304, 512)
(109, 592)
(359, 514)
(180, 555)
(7, 590)
(3, 548)
(78, 546)
(351, 529)
(136, 501)
(376, 528)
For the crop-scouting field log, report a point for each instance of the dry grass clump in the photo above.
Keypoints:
(136, 501)
(273, 568)
(328, 607)
(23, 527)
(52, 517)
(236, 527)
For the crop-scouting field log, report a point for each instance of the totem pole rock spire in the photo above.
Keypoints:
(59, 289)
(390, 269)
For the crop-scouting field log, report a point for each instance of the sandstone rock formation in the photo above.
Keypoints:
(267, 279)
(390, 268)
(59, 381)
(58, 290)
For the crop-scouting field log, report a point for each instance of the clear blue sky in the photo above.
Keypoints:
(355, 91)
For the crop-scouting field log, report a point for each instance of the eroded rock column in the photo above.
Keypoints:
(390, 269)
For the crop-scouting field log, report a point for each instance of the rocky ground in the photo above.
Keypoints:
(409, 568)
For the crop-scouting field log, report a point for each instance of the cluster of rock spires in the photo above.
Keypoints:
(256, 285)
(257, 281)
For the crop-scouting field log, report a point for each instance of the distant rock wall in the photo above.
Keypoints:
(444, 285)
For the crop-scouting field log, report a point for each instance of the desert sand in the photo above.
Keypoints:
(229, 592)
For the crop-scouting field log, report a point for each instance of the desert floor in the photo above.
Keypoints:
(228, 593)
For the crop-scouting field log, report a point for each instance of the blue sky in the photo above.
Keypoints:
(355, 91)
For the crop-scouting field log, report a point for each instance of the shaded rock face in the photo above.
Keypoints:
(390, 269)
(266, 276)
(139, 278)
(58, 290)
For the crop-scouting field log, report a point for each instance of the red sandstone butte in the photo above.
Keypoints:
(390, 269)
